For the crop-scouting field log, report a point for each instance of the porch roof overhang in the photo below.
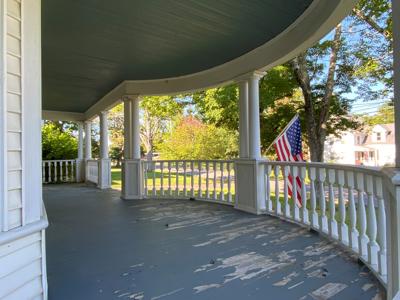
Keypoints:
(95, 52)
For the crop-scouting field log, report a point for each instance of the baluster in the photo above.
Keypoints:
(323, 220)
(286, 206)
(67, 179)
(169, 179)
(192, 179)
(43, 172)
(154, 193)
(313, 198)
(343, 229)
(353, 232)
(184, 179)
(207, 180)
(268, 202)
(221, 195)
(278, 209)
(304, 210)
(177, 179)
(162, 178)
(228, 167)
(146, 187)
(332, 225)
(55, 171)
(382, 253)
(362, 218)
(215, 180)
(200, 191)
(371, 224)
(296, 212)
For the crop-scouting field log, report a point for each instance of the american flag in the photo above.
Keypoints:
(288, 148)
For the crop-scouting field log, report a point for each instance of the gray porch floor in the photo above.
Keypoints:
(100, 247)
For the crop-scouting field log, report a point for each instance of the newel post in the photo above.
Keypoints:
(250, 174)
(132, 174)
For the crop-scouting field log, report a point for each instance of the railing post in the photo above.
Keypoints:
(362, 218)
(313, 199)
(343, 229)
(393, 228)
(372, 224)
(332, 225)
(323, 220)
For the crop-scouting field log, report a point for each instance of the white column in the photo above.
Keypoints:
(132, 173)
(135, 110)
(254, 117)
(88, 140)
(80, 163)
(127, 128)
(243, 120)
(104, 163)
(103, 135)
(80, 140)
(396, 74)
(250, 174)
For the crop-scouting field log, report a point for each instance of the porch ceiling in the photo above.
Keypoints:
(91, 46)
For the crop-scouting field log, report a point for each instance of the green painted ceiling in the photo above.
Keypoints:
(90, 46)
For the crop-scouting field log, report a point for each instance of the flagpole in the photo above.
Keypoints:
(290, 123)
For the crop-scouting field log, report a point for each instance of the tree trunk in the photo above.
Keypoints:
(316, 126)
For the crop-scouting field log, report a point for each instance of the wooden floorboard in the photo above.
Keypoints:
(101, 247)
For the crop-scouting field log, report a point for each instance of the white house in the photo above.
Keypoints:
(371, 146)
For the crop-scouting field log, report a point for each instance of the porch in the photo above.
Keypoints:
(101, 247)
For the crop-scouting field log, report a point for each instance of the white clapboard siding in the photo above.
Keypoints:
(14, 112)
(21, 268)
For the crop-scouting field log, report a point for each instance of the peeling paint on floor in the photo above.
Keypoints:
(178, 249)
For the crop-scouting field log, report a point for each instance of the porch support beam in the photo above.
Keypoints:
(243, 119)
(88, 140)
(254, 116)
(132, 175)
(104, 181)
(250, 186)
(396, 74)
(80, 165)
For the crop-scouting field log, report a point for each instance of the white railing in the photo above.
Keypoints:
(92, 170)
(208, 180)
(344, 203)
(59, 171)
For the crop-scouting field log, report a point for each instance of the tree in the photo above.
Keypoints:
(192, 139)
(57, 143)
(116, 130)
(158, 113)
(384, 115)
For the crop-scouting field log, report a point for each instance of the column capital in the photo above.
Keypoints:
(87, 122)
(104, 113)
(131, 97)
(251, 75)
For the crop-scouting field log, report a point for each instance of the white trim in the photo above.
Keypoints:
(53, 115)
(3, 118)
(20, 232)
(319, 18)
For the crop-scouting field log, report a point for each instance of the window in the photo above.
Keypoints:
(378, 136)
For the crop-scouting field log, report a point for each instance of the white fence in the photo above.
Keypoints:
(58, 171)
(208, 180)
(344, 203)
(92, 171)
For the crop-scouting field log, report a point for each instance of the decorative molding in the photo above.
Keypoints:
(62, 116)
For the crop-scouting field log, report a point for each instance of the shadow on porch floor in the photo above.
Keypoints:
(100, 247)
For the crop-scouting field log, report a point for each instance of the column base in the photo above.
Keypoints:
(104, 179)
(250, 186)
(80, 170)
(132, 179)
